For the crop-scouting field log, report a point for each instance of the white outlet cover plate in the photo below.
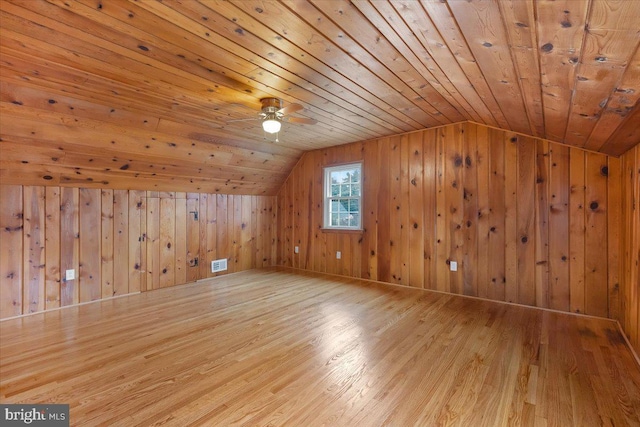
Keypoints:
(453, 265)
(296, 249)
(338, 255)
(70, 274)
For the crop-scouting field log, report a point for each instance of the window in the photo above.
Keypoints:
(343, 197)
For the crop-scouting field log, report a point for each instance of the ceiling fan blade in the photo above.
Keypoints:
(302, 120)
(291, 108)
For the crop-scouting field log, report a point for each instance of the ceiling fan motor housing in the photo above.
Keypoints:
(271, 105)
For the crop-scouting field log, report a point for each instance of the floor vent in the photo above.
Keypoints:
(218, 265)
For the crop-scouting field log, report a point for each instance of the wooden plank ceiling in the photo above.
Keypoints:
(140, 94)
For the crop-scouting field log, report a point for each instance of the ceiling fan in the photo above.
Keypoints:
(273, 114)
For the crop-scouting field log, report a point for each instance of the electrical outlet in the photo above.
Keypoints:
(296, 249)
(70, 275)
(338, 255)
(453, 266)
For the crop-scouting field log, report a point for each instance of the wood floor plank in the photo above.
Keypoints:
(282, 347)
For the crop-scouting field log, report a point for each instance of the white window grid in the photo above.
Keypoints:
(343, 208)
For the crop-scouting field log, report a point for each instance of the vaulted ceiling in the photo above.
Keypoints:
(143, 94)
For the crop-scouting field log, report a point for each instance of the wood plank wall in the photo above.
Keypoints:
(528, 221)
(121, 241)
(630, 250)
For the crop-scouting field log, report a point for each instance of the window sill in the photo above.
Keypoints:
(341, 230)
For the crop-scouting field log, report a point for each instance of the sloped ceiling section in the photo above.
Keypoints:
(142, 94)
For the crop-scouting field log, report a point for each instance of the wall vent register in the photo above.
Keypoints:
(218, 265)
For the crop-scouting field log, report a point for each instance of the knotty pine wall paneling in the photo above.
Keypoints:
(122, 241)
(211, 233)
(528, 221)
(69, 243)
(52, 240)
(558, 199)
(89, 275)
(106, 243)
(395, 212)
(181, 238)
(234, 212)
(121, 245)
(168, 262)
(511, 211)
(542, 224)
(596, 250)
(193, 237)
(470, 214)
(137, 252)
(614, 232)
(630, 246)
(202, 267)
(577, 209)
(222, 233)
(525, 219)
(11, 268)
(152, 242)
(34, 242)
(186, 231)
(483, 216)
(497, 208)
(416, 218)
(264, 226)
(244, 260)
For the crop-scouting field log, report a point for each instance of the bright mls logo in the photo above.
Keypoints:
(34, 415)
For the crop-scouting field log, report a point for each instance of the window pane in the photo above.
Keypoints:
(355, 220)
(355, 190)
(334, 220)
(342, 176)
(335, 190)
(354, 205)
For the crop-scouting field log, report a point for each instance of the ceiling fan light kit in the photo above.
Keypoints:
(271, 124)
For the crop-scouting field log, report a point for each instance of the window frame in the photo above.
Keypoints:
(327, 197)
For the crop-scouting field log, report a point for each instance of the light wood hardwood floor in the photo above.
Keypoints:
(276, 347)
